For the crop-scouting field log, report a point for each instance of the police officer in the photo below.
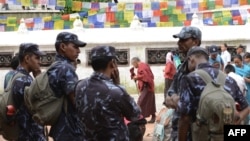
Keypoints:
(29, 58)
(188, 37)
(192, 86)
(62, 80)
(101, 102)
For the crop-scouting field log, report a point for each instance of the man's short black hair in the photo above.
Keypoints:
(100, 63)
(247, 55)
(238, 56)
(229, 68)
(14, 62)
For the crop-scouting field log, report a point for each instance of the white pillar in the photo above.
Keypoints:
(22, 27)
(136, 24)
(78, 25)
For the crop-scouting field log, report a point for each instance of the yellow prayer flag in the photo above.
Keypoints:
(77, 6)
(85, 20)
(3, 21)
(61, 3)
(47, 18)
(225, 23)
(146, 6)
(163, 24)
(169, 24)
(106, 25)
(226, 13)
(25, 2)
(158, 24)
(128, 15)
(59, 24)
(11, 21)
(203, 4)
(92, 12)
(182, 17)
(177, 11)
(120, 6)
(217, 19)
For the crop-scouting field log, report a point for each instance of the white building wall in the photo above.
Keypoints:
(123, 38)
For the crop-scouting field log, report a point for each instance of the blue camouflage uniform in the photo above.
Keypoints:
(185, 33)
(192, 86)
(30, 130)
(62, 80)
(102, 106)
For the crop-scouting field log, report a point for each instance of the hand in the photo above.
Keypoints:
(115, 76)
(172, 101)
(36, 72)
(237, 118)
(135, 77)
(158, 119)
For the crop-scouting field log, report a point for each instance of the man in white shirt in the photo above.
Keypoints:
(230, 71)
(225, 55)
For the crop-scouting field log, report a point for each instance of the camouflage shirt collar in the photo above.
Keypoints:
(61, 58)
(100, 76)
(204, 65)
(22, 70)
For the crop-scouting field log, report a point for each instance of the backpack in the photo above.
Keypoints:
(41, 101)
(9, 127)
(216, 109)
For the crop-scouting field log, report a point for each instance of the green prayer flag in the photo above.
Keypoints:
(67, 23)
(173, 18)
(178, 23)
(119, 15)
(69, 3)
(210, 5)
(217, 14)
(102, 10)
(56, 17)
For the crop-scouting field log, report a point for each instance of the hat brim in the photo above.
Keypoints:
(40, 53)
(213, 53)
(79, 43)
(178, 36)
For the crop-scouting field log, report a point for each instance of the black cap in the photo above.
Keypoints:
(195, 49)
(213, 50)
(101, 52)
(30, 47)
(189, 32)
(69, 37)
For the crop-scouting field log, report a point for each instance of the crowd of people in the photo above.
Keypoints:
(100, 108)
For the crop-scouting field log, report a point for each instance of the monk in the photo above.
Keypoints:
(145, 83)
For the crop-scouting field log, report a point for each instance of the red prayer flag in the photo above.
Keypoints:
(164, 18)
